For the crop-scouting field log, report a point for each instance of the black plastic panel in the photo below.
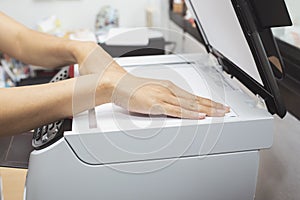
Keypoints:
(290, 85)
(256, 28)
(260, 52)
(271, 13)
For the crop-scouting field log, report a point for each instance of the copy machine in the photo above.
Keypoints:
(131, 156)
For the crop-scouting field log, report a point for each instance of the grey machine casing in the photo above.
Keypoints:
(131, 156)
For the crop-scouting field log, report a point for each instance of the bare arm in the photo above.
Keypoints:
(37, 48)
(103, 81)
(25, 108)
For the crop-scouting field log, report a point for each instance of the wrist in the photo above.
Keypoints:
(81, 50)
(108, 85)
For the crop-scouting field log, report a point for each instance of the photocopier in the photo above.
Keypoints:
(130, 156)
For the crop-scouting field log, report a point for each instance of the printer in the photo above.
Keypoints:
(131, 156)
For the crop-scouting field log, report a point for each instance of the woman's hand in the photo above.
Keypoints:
(161, 97)
(147, 96)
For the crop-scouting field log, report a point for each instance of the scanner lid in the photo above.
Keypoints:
(238, 33)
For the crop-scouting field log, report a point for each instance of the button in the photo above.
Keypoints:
(58, 123)
(37, 134)
(44, 130)
(55, 131)
(50, 126)
(45, 138)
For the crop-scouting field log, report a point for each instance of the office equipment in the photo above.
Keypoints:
(131, 156)
(290, 86)
(133, 42)
(127, 37)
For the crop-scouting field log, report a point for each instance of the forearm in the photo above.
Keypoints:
(37, 48)
(26, 108)
(45, 50)
(50, 51)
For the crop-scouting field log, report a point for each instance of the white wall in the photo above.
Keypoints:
(76, 14)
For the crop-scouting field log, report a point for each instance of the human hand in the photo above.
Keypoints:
(162, 97)
(146, 96)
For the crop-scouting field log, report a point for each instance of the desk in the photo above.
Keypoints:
(14, 152)
(13, 181)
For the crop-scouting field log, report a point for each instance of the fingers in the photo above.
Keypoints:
(179, 112)
(193, 100)
(195, 106)
(210, 103)
(163, 97)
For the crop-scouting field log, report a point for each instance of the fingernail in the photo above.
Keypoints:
(202, 115)
(226, 108)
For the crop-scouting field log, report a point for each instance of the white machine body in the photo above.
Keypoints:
(131, 156)
(113, 154)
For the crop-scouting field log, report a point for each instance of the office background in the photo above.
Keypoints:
(279, 176)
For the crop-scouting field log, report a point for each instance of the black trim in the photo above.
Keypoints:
(272, 50)
(290, 85)
(291, 57)
(66, 125)
(262, 45)
(252, 33)
(277, 14)
(156, 46)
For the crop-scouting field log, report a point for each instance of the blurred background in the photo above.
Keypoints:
(170, 29)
